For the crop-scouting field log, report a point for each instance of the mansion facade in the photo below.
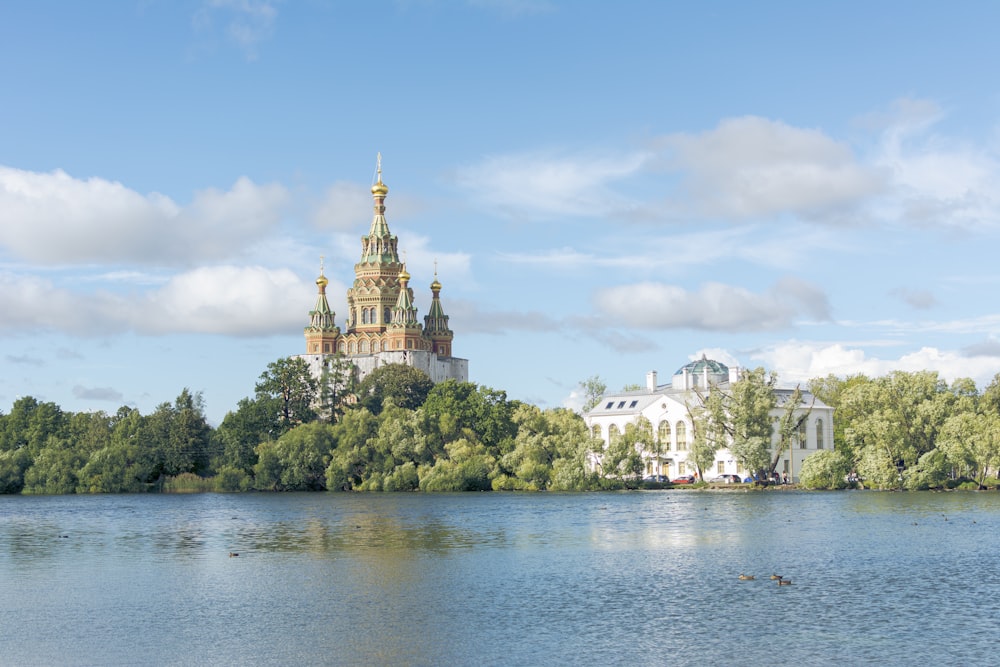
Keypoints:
(382, 325)
(666, 407)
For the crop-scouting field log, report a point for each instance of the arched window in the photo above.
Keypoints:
(819, 434)
(682, 437)
(612, 431)
(362, 346)
(350, 347)
(364, 316)
(803, 434)
(596, 431)
(663, 434)
(341, 346)
(387, 315)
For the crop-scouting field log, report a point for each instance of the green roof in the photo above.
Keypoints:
(698, 367)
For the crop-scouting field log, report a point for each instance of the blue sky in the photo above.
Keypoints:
(606, 188)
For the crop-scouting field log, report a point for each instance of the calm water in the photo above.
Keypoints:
(647, 578)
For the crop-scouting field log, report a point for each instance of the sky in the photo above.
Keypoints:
(604, 189)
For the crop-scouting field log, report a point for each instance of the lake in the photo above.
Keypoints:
(642, 578)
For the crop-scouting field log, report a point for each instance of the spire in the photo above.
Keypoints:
(380, 245)
(404, 314)
(436, 322)
(321, 318)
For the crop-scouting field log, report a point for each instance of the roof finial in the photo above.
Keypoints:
(321, 258)
(378, 166)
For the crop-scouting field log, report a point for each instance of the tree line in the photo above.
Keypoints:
(908, 430)
(397, 431)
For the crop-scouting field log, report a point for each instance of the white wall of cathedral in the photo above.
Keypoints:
(437, 368)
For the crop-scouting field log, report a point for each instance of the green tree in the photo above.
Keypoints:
(288, 388)
(593, 389)
(337, 383)
(406, 386)
(296, 461)
(254, 421)
(743, 415)
(971, 441)
(826, 469)
(349, 463)
(621, 461)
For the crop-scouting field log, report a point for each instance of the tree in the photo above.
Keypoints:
(622, 461)
(593, 389)
(972, 442)
(405, 385)
(297, 460)
(253, 422)
(291, 389)
(825, 469)
(743, 415)
(337, 382)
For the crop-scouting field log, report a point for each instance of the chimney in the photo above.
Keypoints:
(651, 381)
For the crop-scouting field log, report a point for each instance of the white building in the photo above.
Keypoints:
(666, 407)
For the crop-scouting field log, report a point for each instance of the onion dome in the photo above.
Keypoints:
(380, 189)
(404, 276)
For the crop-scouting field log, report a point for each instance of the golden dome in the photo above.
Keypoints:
(404, 275)
(322, 281)
(436, 286)
(380, 188)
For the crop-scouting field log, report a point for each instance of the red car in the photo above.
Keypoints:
(683, 479)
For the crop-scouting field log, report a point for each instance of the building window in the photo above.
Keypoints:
(610, 405)
(363, 346)
(386, 315)
(409, 344)
(720, 467)
(633, 404)
(342, 346)
(682, 442)
(612, 431)
(326, 348)
(663, 433)
(681, 468)
(819, 434)
(621, 405)
(786, 466)
(597, 430)
(803, 434)
(364, 316)
(350, 347)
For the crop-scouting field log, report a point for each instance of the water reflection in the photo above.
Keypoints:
(498, 578)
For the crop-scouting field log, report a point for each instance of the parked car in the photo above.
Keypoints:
(683, 479)
(727, 479)
(661, 479)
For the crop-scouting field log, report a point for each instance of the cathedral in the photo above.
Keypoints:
(382, 325)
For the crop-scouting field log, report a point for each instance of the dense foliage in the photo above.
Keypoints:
(400, 433)
(397, 431)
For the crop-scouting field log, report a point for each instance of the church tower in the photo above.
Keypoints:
(322, 333)
(382, 322)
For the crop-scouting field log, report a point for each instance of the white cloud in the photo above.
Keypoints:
(937, 181)
(225, 300)
(915, 298)
(715, 307)
(53, 218)
(755, 167)
(548, 186)
(797, 362)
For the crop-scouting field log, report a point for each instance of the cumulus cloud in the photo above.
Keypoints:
(54, 218)
(715, 307)
(548, 186)
(798, 362)
(753, 167)
(226, 300)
